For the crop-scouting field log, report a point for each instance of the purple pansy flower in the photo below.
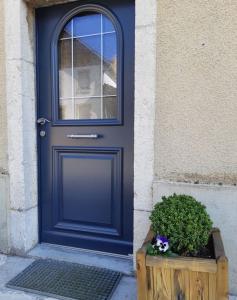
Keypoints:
(160, 242)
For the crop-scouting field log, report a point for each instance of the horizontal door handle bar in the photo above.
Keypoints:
(82, 136)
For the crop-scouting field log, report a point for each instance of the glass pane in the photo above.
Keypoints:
(66, 109)
(89, 108)
(65, 69)
(88, 69)
(109, 107)
(87, 24)
(87, 66)
(107, 25)
(67, 31)
(110, 65)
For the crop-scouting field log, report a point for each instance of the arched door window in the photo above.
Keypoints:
(87, 65)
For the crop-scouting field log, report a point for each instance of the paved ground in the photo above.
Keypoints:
(12, 265)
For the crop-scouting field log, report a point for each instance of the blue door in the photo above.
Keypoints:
(85, 76)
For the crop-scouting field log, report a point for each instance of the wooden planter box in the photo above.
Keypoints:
(183, 278)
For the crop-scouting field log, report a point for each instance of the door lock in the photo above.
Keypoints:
(42, 133)
(42, 121)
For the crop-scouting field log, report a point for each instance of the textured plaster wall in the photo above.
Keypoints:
(196, 117)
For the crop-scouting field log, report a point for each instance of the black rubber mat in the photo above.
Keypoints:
(64, 280)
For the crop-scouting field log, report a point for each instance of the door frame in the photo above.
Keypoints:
(21, 119)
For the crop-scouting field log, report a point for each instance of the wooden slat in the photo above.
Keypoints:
(161, 286)
(141, 274)
(199, 285)
(183, 263)
(218, 244)
(172, 287)
(150, 283)
(212, 286)
(222, 285)
(154, 284)
(181, 285)
(222, 278)
(149, 237)
(167, 283)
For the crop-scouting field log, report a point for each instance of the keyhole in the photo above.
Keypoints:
(42, 133)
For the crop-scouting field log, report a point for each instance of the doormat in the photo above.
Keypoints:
(65, 280)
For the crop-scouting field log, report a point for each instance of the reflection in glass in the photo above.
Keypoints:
(109, 107)
(66, 109)
(65, 69)
(87, 24)
(88, 68)
(89, 108)
(107, 25)
(110, 64)
(67, 31)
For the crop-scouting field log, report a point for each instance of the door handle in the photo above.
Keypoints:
(42, 121)
(83, 136)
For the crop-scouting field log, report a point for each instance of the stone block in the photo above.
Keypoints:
(19, 31)
(24, 230)
(4, 204)
(141, 227)
(145, 93)
(146, 12)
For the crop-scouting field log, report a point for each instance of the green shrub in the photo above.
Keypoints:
(184, 221)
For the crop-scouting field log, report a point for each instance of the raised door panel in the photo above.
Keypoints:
(87, 189)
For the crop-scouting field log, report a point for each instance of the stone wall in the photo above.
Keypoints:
(4, 245)
(3, 113)
(144, 124)
(19, 126)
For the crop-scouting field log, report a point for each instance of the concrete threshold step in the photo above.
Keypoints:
(123, 264)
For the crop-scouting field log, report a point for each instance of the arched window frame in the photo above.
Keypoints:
(55, 68)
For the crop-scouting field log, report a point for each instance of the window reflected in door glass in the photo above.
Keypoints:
(110, 64)
(65, 69)
(66, 109)
(89, 108)
(109, 107)
(88, 68)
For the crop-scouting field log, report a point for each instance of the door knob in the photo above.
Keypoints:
(42, 121)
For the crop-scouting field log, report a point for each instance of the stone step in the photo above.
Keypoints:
(120, 263)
